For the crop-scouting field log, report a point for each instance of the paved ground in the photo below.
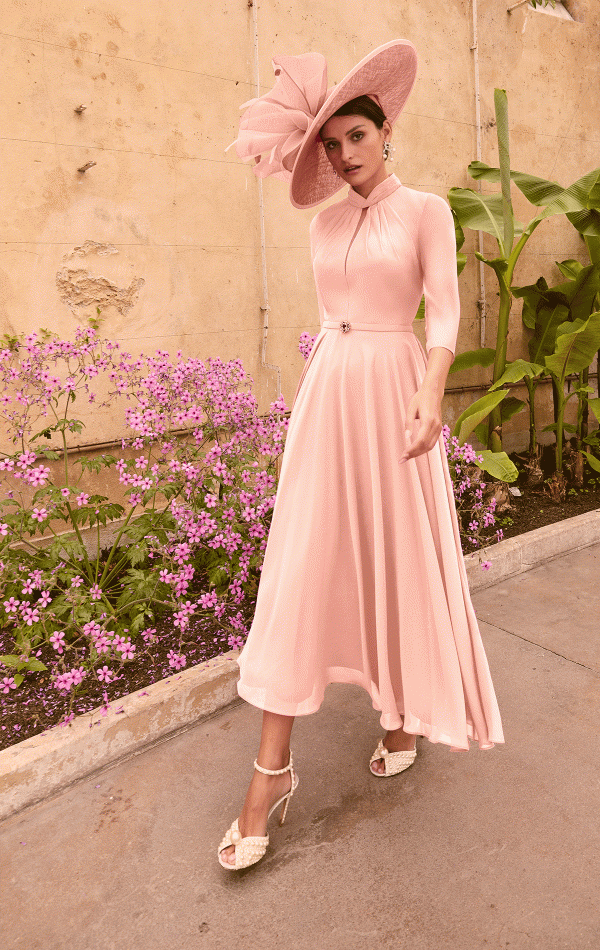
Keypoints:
(469, 850)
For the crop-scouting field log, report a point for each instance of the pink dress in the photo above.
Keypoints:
(363, 579)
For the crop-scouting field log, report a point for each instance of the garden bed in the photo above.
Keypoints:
(37, 705)
(533, 509)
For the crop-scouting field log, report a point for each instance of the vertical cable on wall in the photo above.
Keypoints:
(264, 307)
(481, 303)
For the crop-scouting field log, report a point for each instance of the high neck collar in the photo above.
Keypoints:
(382, 190)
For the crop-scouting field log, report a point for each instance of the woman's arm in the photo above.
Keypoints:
(426, 405)
(437, 251)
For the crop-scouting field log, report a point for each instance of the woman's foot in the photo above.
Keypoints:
(263, 792)
(395, 741)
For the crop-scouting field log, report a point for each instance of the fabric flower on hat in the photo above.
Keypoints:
(276, 123)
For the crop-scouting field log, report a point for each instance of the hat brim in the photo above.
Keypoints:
(389, 73)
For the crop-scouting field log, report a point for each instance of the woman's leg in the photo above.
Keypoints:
(264, 790)
(395, 741)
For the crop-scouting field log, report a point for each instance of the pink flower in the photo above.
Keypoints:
(176, 660)
(82, 499)
(7, 684)
(39, 514)
(64, 681)
(58, 641)
(29, 615)
(92, 629)
(102, 644)
(127, 649)
(65, 492)
(485, 565)
(26, 460)
(96, 592)
(11, 605)
(3, 530)
(39, 476)
(45, 598)
(105, 675)
(77, 581)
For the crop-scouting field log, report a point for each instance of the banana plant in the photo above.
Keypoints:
(593, 246)
(576, 345)
(493, 213)
(544, 310)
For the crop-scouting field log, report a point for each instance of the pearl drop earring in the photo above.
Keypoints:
(387, 149)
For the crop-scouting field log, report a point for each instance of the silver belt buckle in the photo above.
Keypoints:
(344, 326)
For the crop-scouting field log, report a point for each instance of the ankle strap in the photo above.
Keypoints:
(274, 771)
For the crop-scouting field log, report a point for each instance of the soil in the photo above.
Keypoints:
(535, 508)
(37, 706)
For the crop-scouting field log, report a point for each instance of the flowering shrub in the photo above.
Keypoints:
(193, 525)
(473, 518)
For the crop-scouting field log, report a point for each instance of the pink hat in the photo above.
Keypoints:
(285, 122)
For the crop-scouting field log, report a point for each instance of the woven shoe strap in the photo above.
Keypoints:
(288, 768)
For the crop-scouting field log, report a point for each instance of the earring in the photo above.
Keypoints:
(388, 148)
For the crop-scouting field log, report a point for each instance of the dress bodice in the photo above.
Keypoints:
(374, 258)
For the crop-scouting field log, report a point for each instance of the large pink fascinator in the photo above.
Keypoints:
(275, 124)
(281, 128)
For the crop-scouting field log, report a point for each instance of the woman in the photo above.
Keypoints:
(363, 579)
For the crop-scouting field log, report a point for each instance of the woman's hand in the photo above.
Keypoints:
(426, 406)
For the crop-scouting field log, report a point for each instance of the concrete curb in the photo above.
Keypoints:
(38, 767)
(526, 551)
(43, 765)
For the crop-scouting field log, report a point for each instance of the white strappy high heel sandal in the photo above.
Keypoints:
(394, 761)
(251, 849)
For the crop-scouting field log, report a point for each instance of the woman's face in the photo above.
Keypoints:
(353, 140)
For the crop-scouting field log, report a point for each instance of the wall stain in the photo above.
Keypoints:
(79, 289)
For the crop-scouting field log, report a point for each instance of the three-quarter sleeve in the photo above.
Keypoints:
(437, 251)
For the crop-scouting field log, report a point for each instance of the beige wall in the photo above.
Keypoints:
(163, 232)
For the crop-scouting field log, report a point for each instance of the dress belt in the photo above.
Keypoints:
(345, 325)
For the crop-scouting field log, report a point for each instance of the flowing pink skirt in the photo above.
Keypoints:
(363, 579)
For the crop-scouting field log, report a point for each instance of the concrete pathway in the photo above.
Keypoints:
(480, 850)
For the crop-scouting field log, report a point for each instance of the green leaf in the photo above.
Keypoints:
(576, 345)
(484, 356)
(538, 191)
(50, 454)
(569, 268)
(501, 107)
(594, 405)
(553, 427)
(479, 212)
(582, 195)
(593, 461)
(510, 407)
(34, 664)
(593, 246)
(498, 465)
(547, 323)
(475, 413)
(516, 371)
(10, 660)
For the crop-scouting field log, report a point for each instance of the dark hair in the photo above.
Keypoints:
(362, 105)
